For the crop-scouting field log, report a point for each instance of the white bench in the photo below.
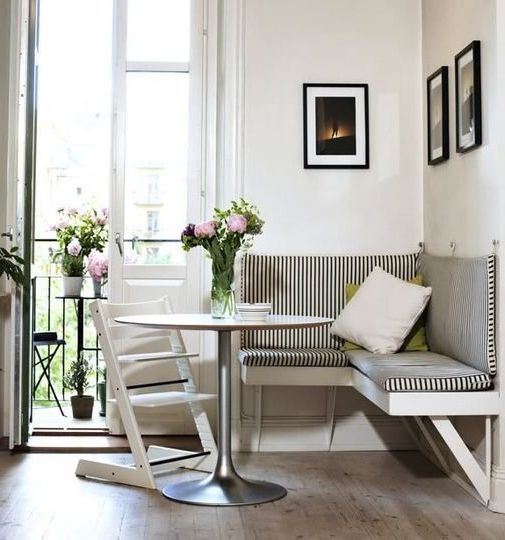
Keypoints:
(455, 378)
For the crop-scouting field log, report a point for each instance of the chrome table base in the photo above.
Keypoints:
(224, 487)
(231, 491)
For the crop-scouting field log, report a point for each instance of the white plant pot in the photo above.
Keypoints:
(72, 285)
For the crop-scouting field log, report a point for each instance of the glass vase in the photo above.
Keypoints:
(97, 287)
(222, 303)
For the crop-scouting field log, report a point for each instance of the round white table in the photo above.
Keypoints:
(224, 487)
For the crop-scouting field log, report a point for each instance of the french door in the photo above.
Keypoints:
(149, 120)
(156, 161)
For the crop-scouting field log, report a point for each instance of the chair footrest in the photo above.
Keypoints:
(160, 399)
(164, 461)
(164, 355)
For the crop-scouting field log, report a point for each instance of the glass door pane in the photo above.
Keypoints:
(158, 30)
(156, 167)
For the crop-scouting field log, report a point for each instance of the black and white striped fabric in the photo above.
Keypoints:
(419, 372)
(308, 285)
(460, 317)
(293, 357)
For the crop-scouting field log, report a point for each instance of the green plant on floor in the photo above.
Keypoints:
(11, 265)
(77, 377)
(102, 374)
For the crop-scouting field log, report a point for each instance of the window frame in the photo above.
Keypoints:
(196, 138)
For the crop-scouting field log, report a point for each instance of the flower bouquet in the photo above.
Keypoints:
(230, 231)
(78, 233)
(98, 267)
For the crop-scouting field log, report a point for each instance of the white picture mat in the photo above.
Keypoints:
(436, 152)
(359, 94)
(469, 138)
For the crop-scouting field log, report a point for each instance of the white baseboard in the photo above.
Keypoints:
(369, 433)
(497, 501)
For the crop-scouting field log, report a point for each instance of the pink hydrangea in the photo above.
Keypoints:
(237, 223)
(207, 229)
(74, 247)
(98, 264)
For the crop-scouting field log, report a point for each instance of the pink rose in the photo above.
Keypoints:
(237, 223)
(207, 229)
(74, 247)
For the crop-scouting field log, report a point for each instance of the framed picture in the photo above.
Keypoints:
(438, 116)
(468, 104)
(335, 124)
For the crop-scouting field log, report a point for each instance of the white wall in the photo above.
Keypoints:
(464, 197)
(460, 201)
(378, 210)
(334, 211)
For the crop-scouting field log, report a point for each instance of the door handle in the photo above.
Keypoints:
(9, 234)
(119, 244)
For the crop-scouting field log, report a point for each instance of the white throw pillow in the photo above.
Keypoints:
(382, 312)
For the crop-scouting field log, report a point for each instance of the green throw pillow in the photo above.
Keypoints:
(415, 341)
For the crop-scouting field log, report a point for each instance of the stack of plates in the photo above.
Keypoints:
(253, 312)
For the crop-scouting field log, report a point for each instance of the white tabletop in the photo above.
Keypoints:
(199, 321)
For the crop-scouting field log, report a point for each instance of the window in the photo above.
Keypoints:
(153, 188)
(156, 86)
(152, 222)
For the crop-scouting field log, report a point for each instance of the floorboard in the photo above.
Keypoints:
(342, 495)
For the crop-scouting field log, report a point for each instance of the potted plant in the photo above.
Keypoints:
(77, 379)
(102, 390)
(78, 233)
(98, 267)
(11, 265)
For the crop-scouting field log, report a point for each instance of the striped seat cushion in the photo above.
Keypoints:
(419, 372)
(292, 357)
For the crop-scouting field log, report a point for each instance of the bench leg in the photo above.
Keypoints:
(330, 413)
(480, 479)
(258, 414)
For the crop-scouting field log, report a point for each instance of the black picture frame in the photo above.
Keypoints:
(330, 109)
(468, 98)
(437, 91)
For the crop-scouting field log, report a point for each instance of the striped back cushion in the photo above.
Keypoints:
(460, 317)
(312, 285)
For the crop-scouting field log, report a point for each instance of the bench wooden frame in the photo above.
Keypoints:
(435, 406)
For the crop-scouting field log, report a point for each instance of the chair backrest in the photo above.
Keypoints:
(131, 340)
(460, 315)
(309, 285)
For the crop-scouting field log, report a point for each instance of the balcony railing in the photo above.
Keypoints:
(51, 313)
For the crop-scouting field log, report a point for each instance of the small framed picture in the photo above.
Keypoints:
(335, 126)
(468, 104)
(438, 116)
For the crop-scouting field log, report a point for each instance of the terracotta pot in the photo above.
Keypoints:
(82, 406)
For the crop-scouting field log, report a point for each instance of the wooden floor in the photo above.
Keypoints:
(330, 495)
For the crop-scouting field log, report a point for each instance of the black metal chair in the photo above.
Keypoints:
(45, 339)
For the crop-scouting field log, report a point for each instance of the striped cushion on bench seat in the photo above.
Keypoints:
(292, 357)
(418, 372)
